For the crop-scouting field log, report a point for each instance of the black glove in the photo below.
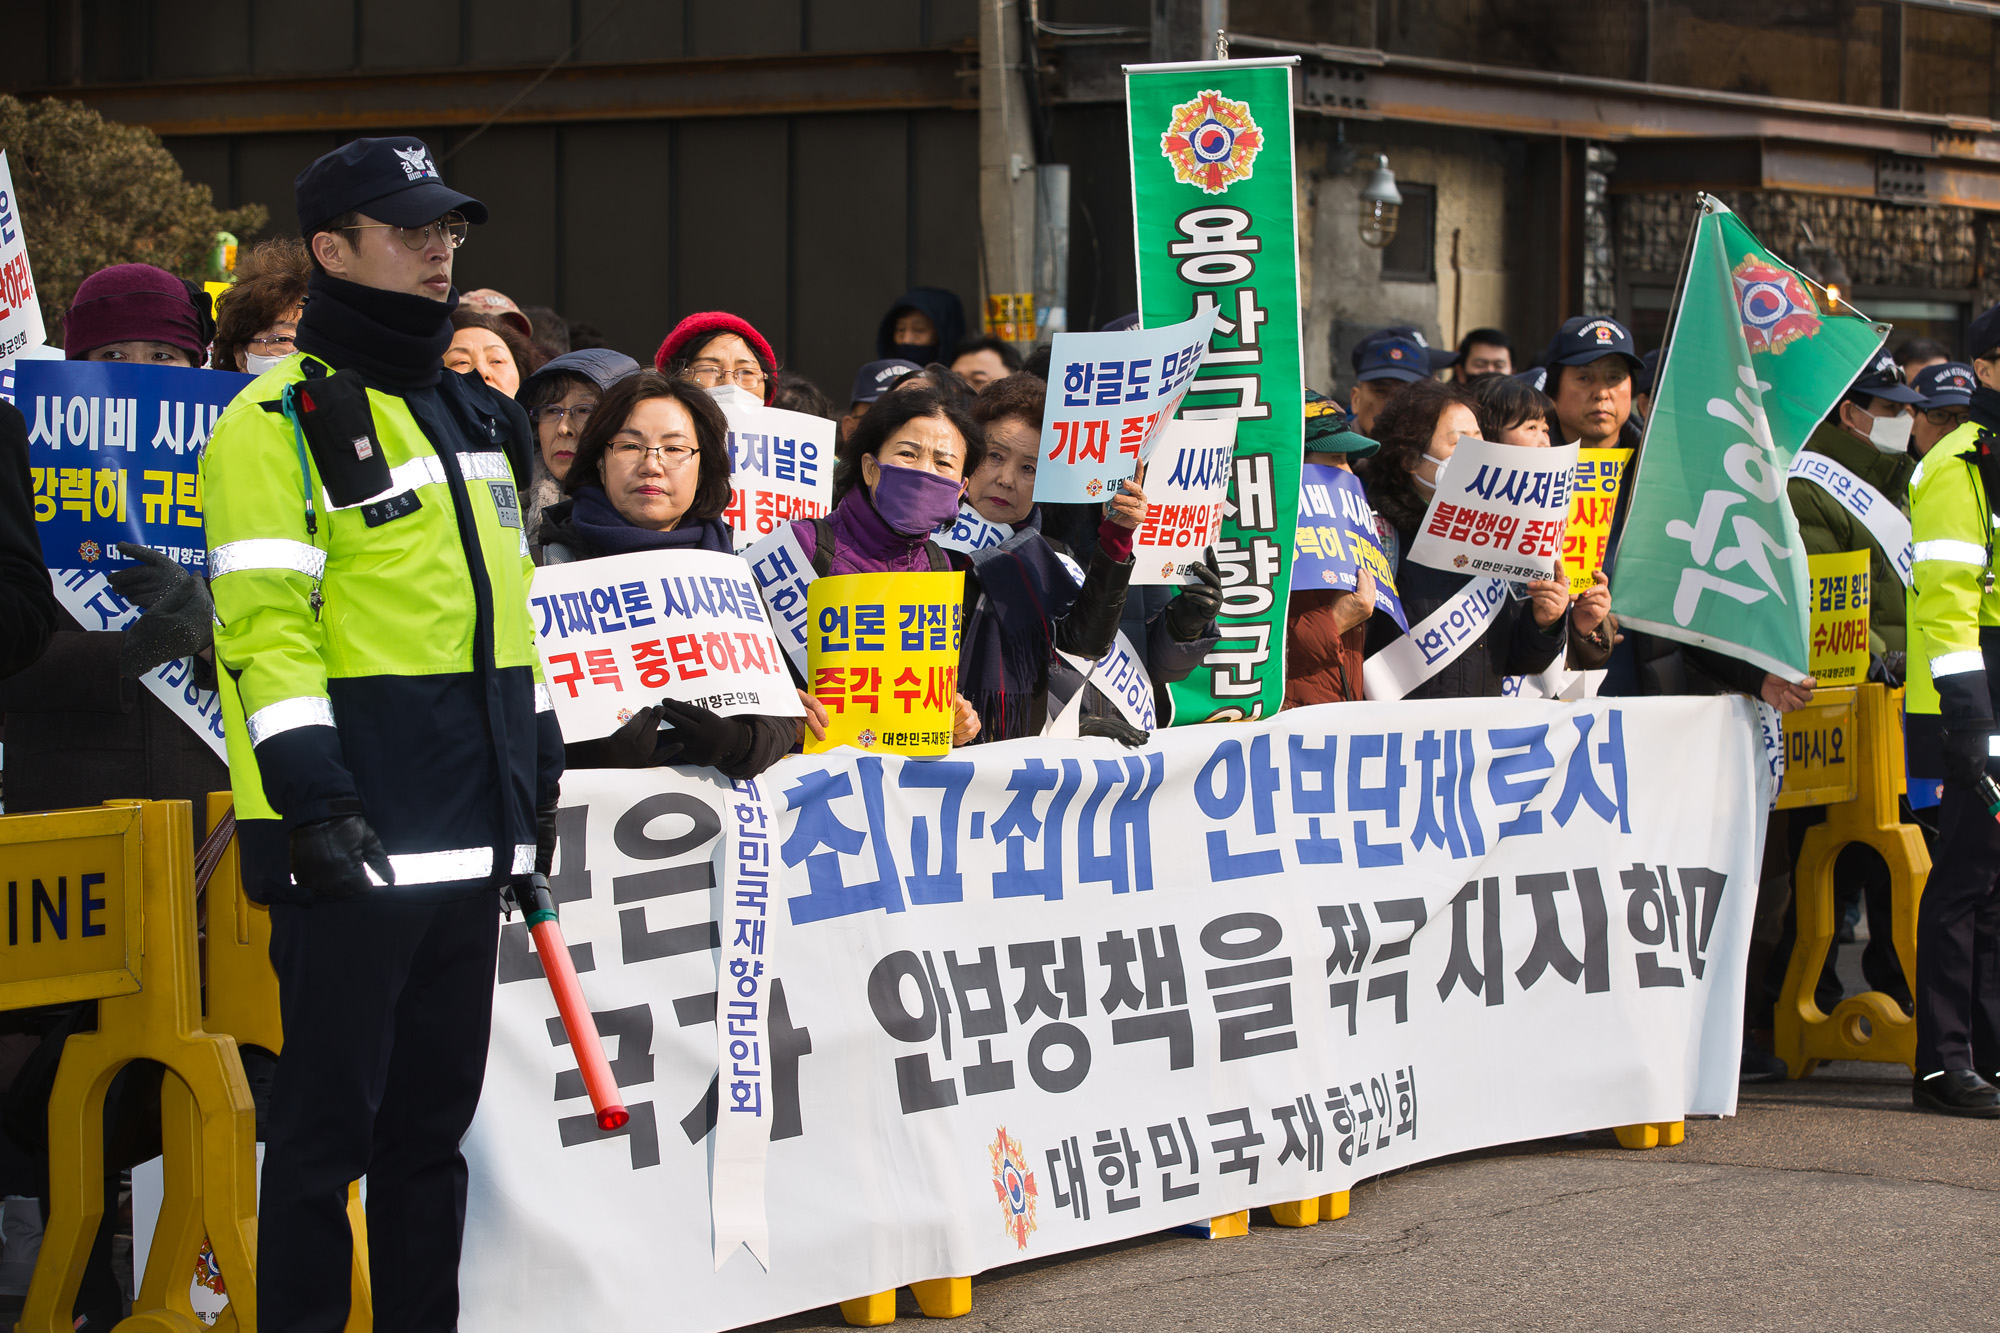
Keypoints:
(1117, 728)
(545, 835)
(706, 739)
(328, 856)
(1887, 668)
(1191, 615)
(1964, 751)
(178, 618)
(632, 745)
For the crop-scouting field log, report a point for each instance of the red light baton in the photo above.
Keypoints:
(575, 1011)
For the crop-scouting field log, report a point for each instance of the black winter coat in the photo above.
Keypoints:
(28, 615)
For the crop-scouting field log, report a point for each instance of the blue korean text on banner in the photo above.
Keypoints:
(113, 456)
(1110, 395)
(1337, 538)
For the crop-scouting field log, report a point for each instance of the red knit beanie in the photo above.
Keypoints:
(707, 323)
(132, 301)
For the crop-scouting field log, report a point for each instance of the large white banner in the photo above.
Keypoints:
(1037, 996)
(21, 326)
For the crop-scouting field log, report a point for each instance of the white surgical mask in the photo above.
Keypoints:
(1418, 478)
(257, 365)
(1892, 434)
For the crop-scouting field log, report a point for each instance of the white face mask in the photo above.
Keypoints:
(1418, 478)
(1892, 434)
(257, 365)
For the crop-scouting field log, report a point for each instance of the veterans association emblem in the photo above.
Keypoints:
(1775, 306)
(1013, 1186)
(1212, 142)
(90, 551)
(866, 740)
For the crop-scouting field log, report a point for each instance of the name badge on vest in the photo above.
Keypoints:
(508, 501)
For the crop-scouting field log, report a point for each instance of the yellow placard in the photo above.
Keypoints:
(882, 656)
(217, 290)
(69, 906)
(1839, 617)
(1593, 498)
(1822, 766)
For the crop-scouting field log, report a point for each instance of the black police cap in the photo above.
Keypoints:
(392, 180)
(1983, 337)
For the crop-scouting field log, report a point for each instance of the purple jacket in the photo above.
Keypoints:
(863, 543)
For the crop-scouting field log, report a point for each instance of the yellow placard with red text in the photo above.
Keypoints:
(1593, 498)
(1840, 596)
(882, 657)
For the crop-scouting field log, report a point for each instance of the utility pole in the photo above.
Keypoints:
(1006, 177)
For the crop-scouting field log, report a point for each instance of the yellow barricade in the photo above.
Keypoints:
(100, 906)
(1846, 748)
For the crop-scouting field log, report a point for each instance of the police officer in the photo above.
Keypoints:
(1954, 660)
(391, 745)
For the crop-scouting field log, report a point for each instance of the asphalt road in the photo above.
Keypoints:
(1826, 1204)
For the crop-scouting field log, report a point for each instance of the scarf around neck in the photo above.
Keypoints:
(600, 526)
(395, 339)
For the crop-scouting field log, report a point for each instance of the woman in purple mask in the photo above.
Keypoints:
(896, 479)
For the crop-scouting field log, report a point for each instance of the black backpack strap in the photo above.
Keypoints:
(822, 547)
(940, 562)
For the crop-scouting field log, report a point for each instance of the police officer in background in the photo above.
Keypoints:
(391, 745)
(1954, 661)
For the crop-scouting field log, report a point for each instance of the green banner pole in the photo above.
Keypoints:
(1215, 223)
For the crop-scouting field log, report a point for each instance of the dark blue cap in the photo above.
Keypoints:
(1983, 334)
(1439, 358)
(1122, 323)
(1392, 359)
(878, 377)
(600, 365)
(1535, 377)
(1947, 384)
(391, 180)
(1585, 338)
(1884, 379)
(1649, 366)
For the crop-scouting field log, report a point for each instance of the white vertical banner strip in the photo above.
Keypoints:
(743, 980)
(88, 595)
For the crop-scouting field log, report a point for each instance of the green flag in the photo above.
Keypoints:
(1710, 553)
(1216, 227)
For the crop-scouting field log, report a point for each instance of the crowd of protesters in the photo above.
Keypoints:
(631, 457)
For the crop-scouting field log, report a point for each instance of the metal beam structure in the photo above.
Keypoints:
(652, 90)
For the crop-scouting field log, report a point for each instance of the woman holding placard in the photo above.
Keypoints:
(1418, 432)
(651, 473)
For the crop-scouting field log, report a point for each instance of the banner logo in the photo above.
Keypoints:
(1212, 142)
(1777, 311)
(1014, 1187)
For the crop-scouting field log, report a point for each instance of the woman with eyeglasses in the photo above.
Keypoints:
(714, 348)
(651, 473)
(257, 316)
(559, 399)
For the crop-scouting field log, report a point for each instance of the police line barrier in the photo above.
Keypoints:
(100, 906)
(902, 1021)
(1844, 751)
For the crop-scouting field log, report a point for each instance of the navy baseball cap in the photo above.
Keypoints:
(1439, 358)
(1584, 339)
(1947, 385)
(1392, 359)
(1983, 334)
(1884, 379)
(1649, 369)
(1535, 377)
(391, 180)
(878, 377)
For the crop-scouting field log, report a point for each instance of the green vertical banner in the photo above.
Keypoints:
(1710, 553)
(1216, 226)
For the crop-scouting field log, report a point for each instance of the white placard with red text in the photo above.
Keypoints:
(1109, 396)
(780, 466)
(21, 324)
(622, 632)
(1187, 491)
(1499, 509)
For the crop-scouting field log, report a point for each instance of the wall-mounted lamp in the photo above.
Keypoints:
(1380, 203)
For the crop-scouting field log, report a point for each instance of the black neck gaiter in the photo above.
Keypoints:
(1985, 408)
(395, 339)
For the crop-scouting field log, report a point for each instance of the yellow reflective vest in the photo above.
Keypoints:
(378, 658)
(1954, 612)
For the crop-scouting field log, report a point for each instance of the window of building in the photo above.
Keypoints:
(1412, 255)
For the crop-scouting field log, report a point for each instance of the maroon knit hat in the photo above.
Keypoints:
(132, 301)
(709, 322)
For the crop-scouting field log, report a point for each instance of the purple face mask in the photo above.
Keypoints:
(914, 502)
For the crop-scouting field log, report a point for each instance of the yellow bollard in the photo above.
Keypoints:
(1869, 1026)
(127, 940)
(870, 1311)
(1660, 1134)
(943, 1297)
(1333, 1207)
(1229, 1225)
(1303, 1213)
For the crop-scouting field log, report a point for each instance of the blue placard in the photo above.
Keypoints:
(1337, 536)
(113, 453)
